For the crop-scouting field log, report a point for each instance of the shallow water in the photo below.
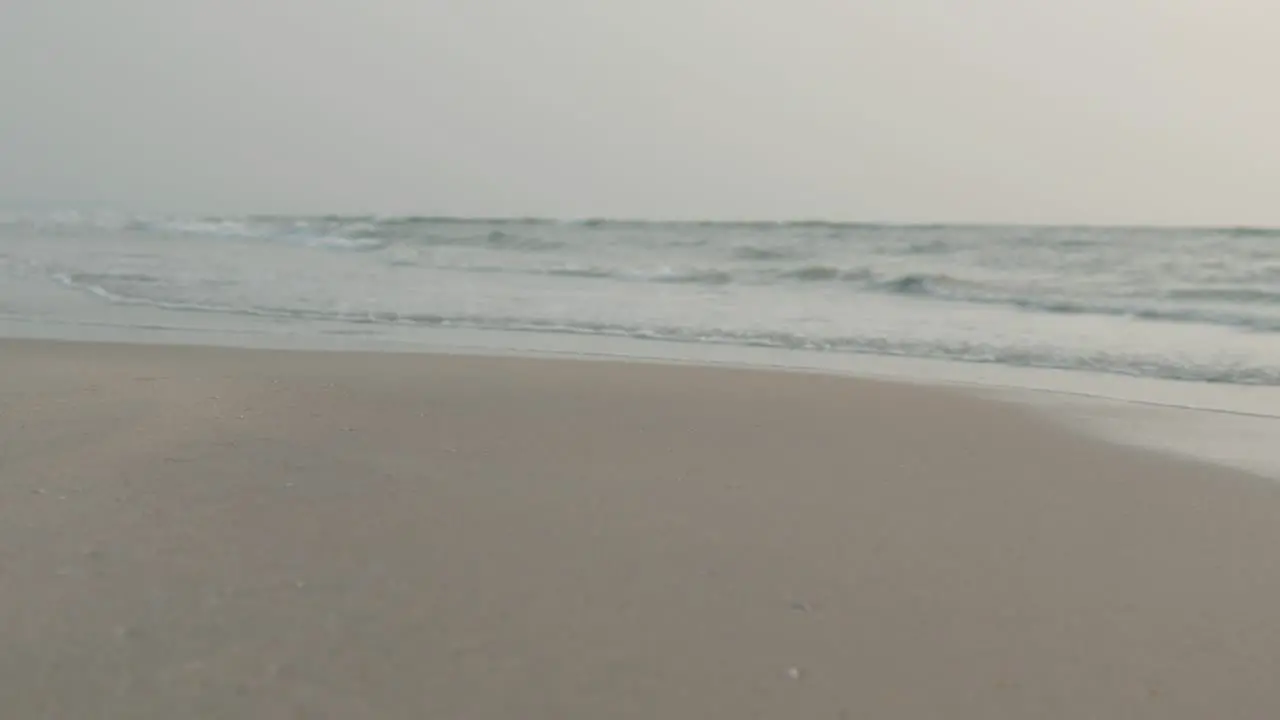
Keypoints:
(1180, 304)
(1083, 312)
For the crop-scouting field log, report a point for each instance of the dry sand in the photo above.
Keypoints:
(208, 533)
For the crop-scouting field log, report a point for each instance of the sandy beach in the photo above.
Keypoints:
(218, 533)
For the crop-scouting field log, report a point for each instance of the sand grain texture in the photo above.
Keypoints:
(208, 533)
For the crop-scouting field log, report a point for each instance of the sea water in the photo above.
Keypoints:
(1172, 318)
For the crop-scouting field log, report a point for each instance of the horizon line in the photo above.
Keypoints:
(49, 207)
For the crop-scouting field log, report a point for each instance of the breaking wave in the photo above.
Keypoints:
(1079, 298)
(1151, 365)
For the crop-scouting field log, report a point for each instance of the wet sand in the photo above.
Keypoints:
(216, 533)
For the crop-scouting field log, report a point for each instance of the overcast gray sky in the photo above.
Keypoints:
(1128, 111)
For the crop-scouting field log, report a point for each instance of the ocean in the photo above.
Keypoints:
(1184, 318)
(1181, 304)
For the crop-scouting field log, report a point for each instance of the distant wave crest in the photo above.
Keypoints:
(582, 272)
(697, 277)
(1198, 294)
(1231, 295)
(1253, 232)
(752, 252)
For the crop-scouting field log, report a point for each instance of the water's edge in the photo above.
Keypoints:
(1180, 304)
(1230, 427)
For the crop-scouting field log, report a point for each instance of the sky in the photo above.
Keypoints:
(1090, 111)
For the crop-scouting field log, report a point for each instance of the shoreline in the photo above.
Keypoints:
(1229, 426)
(219, 532)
